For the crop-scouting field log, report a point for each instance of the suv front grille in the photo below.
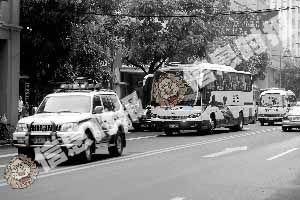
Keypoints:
(44, 128)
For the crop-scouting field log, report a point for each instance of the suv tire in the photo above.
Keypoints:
(118, 145)
(87, 154)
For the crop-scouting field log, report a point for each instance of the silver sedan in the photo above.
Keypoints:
(291, 119)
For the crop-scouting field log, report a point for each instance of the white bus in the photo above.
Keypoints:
(201, 97)
(273, 105)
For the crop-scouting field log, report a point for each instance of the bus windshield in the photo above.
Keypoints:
(174, 88)
(271, 100)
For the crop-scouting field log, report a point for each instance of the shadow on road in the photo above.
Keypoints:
(195, 134)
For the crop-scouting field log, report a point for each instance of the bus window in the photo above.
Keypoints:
(248, 84)
(219, 81)
(172, 88)
(227, 81)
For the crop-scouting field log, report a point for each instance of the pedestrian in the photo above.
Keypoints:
(20, 107)
(26, 110)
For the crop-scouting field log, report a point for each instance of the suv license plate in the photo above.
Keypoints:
(39, 140)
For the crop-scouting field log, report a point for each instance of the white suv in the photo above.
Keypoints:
(81, 115)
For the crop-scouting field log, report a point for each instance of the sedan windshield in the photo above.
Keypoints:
(61, 104)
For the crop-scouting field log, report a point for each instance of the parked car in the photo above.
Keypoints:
(291, 119)
(75, 112)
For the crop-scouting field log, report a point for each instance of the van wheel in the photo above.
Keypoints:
(262, 123)
(118, 145)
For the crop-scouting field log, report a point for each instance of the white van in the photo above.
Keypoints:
(273, 105)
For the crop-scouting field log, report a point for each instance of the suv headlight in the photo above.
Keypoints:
(22, 127)
(68, 127)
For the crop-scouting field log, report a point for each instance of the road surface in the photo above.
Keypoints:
(260, 162)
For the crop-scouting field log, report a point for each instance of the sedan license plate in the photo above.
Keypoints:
(173, 126)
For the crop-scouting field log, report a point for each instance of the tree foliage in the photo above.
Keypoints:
(62, 39)
(290, 75)
(170, 30)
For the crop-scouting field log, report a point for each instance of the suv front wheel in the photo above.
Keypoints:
(86, 155)
(118, 145)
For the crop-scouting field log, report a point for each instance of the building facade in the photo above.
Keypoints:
(9, 59)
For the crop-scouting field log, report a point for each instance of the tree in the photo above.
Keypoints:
(157, 31)
(256, 65)
(62, 39)
(44, 39)
(290, 75)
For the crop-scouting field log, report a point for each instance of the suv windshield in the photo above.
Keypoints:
(60, 104)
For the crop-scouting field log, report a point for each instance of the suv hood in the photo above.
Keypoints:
(57, 118)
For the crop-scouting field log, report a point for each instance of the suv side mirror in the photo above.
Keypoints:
(98, 109)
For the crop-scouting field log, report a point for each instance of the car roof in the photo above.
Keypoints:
(208, 66)
(278, 91)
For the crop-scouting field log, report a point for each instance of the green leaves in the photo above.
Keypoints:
(178, 30)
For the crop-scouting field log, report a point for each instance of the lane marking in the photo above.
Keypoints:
(178, 198)
(133, 157)
(226, 151)
(8, 155)
(145, 137)
(2, 166)
(282, 154)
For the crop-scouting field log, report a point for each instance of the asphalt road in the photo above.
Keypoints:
(260, 162)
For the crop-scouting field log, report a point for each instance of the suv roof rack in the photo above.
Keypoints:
(81, 88)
